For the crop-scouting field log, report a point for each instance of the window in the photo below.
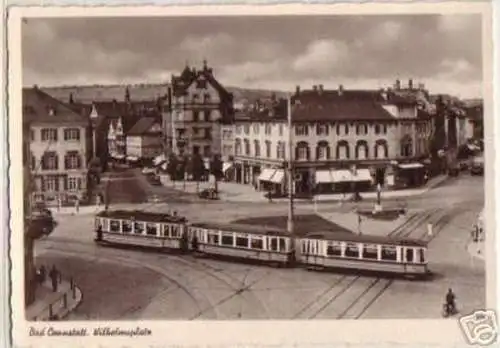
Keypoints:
(280, 130)
(351, 250)
(151, 229)
(247, 147)
(51, 183)
(33, 163)
(346, 129)
(257, 148)
(301, 130)
(322, 153)
(267, 129)
(385, 129)
(72, 183)
(138, 227)
(321, 129)
(238, 129)
(377, 129)
(361, 129)
(268, 149)
(302, 151)
(237, 147)
(71, 134)
(302, 154)
(72, 160)
(207, 114)
(242, 242)
(274, 244)
(334, 249)
(114, 226)
(280, 150)
(256, 128)
(49, 134)
(126, 227)
(196, 116)
(389, 253)
(227, 239)
(50, 161)
(195, 97)
(409, 255)
(174, 231)
(206, 97)
(32, 135)
(256, 243)
(370, 251)
(196, 149)
(213, 238)
(246, 128)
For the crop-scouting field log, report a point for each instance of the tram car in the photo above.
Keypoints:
(140, 229)
(341, 250)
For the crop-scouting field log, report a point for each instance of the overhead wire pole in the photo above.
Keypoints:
(290, 223)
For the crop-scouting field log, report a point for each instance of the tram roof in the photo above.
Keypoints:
(242, 228)
(363, 238)
(140, 216)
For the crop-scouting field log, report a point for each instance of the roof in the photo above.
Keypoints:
(142, 126)
(243, 228)
(140, 216)
(37, 106)
(363, 238)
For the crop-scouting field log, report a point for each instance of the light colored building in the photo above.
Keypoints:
(197, 107)
(144, 140)
(60, 148)
(332, 129)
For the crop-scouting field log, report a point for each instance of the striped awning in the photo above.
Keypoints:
(132, 158)
(278, 176)
(410, 165)
(362, 175)
(226, 166)
(266, 174)
(343, 175)
(159, 160)
(323, 177)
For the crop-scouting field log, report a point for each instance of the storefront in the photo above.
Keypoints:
(272, 180)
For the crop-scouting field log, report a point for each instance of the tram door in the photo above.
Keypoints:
(409, 256)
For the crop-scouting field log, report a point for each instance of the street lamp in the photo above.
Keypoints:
(291, 178)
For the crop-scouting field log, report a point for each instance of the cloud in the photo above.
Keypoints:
(260, 52)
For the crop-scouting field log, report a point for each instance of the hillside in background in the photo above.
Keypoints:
(88, 94)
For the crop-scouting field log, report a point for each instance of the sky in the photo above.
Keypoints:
(270, 52)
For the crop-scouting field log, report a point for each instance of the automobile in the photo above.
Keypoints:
(210, 194)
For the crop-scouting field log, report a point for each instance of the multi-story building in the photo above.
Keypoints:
(60, 148)
(144, 140)
(332, 129)
(198, 105)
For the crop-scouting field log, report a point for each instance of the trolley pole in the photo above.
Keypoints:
(290, 224)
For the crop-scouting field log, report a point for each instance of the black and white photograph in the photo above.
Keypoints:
(254, 167)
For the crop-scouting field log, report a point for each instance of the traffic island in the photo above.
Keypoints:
(53, 305)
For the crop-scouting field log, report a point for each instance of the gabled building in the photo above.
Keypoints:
(197, 105)
(144, 140)
(59, 150)
(332, 129)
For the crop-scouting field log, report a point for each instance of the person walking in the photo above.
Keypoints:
(54, 277)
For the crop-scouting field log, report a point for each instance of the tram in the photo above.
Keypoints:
(269, 245)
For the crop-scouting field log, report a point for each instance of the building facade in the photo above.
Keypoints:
(144, 140)
(331, 129)
(60, 149)
(197, 106)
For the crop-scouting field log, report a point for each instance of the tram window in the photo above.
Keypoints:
(274, 244)
(114, 226)
(126, 227)
(105, 224)
(352, 250)
(257, 243)
(370, 251)
(421, 255)
(304, 247)
(97, 222)
(174, 231)
(282, 243)
(213, 238)
(151, 229)
(242, 242)
(138, 227)
(227, 239)
(334, 249)
(409, 255)
(389, 253)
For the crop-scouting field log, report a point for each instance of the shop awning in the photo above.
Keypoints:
(278, 176)
(159, 160)
(342, 176)
(266, 174)
(132, 158)
(362, 175)
(410, 165)
(226, 166)
(117, 156)
(323, 177)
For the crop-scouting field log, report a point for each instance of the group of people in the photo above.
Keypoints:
(54, 275)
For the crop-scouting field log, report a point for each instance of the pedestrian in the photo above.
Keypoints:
(98, 199)
(359, 224)
(99, 233)
(429, 229)
(54, 277)
(77, 205)
(59, 204)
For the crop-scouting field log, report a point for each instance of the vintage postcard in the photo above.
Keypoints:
(252, 176)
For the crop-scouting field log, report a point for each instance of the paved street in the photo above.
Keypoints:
(128, 284)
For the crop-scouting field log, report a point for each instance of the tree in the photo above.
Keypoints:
(197, 167)
(216, 169)
(172, 165)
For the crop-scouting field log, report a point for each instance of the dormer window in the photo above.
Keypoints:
(206, 97)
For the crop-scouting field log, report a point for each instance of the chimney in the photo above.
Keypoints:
(297, 90)
(410, 84)
(397, 85)
(315, 88)
(341, 89)
(320, 89)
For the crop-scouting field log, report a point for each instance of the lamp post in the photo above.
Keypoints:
(290, 226)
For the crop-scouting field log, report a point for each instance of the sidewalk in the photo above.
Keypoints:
(54, 304)
(83, 210)
(476, 250)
